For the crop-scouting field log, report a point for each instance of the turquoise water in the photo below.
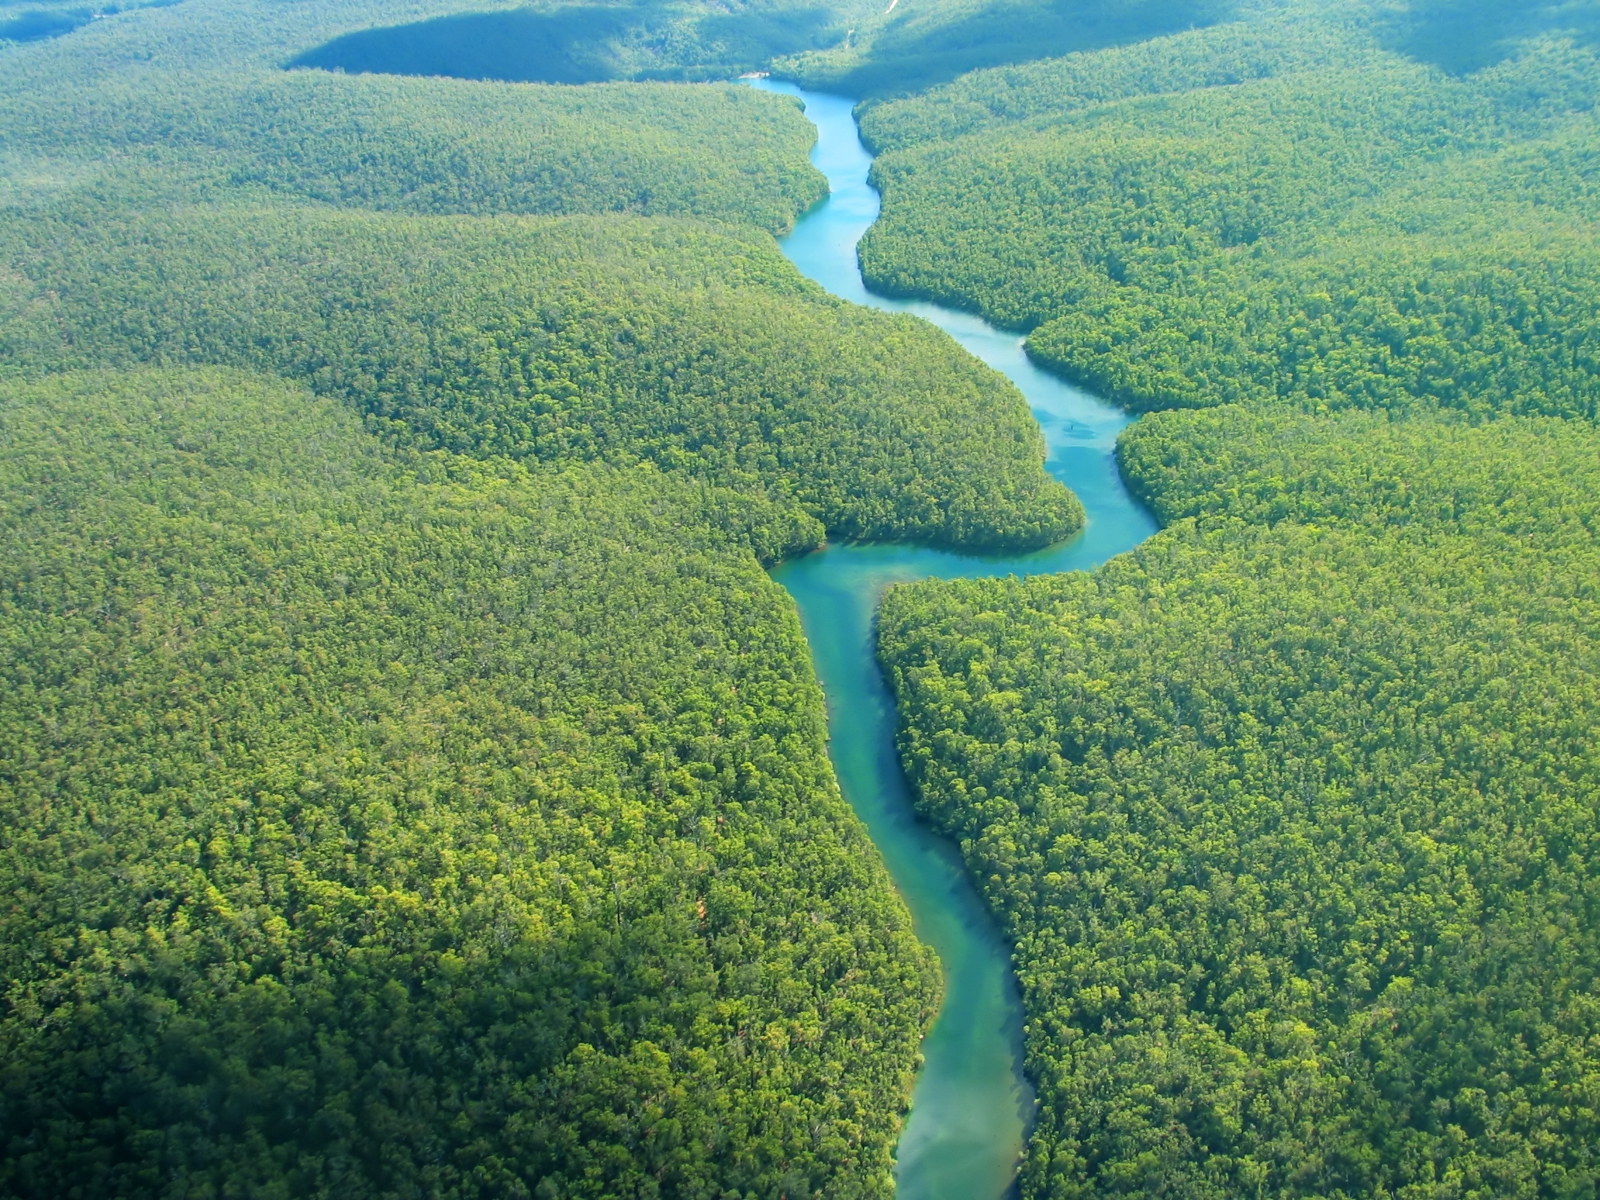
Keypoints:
(972, 1103)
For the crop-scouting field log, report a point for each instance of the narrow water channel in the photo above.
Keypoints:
(972, 1103)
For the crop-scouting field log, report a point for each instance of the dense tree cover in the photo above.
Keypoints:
(543, 41)
(914, 44)
(1269, 45)
(586, 43)
(696, 348)
(722, 153)
(28, 20)
(1343, 228)
(194, 99)
(1294, 813)
(1532, 479)
(411, 783)
(383, 823)
(41, 23)
(199, 35)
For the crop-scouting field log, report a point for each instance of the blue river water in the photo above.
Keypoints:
(972, 1104)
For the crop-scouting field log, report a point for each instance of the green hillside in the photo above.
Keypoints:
(588, 43)
(1292, 814)
(726, 154)
(379, 823)
(698, 349)
(413, 785)
(911, 45)
(412, 782)
(1271, 211)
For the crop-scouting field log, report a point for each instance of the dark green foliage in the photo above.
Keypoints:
(1343, 228)
(381, 824)
(991, 100)
(737, 41)
(918, 44)
(583, 43)
(1467, 35)
(1294, 814)
(27, 21)
(698, 349)
(565, 45)
(41, 23)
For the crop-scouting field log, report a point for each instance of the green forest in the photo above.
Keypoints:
(696, 349)
(391, 823)
(1274, 211)
(1292, 813)
(414, 785)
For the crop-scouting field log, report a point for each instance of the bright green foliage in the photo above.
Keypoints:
(1296, 824)
(195, 98)
(411, 783)
(1535, 480)
(1343, 228)
(1294, 813)
(699, 349)
(376, 823)
(432, 145)
(673, 39)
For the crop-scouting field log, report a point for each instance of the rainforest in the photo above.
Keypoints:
(1011, 610)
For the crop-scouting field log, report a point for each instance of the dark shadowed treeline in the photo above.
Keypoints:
(910, 46)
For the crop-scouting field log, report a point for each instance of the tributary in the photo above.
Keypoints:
(972, 1103)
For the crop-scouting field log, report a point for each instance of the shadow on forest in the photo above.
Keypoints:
(585, 43)
(924, 47)
(1463, 36)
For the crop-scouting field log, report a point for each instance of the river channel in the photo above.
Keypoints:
(972, 1103)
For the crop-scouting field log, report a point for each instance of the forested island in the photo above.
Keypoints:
(412, 784)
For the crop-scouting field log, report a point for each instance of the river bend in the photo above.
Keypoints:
(972, 1103)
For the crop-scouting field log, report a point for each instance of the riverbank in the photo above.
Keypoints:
(972, 1103)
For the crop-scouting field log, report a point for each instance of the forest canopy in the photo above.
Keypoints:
(1292, 813)
(380, 822)
(587, 43)
(412, 782)
(698, 349)
(916, 45)
(1270, 211)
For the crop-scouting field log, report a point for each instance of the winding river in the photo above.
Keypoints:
(972, 1103)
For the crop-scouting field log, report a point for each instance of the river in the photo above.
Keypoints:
(972, 1103)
